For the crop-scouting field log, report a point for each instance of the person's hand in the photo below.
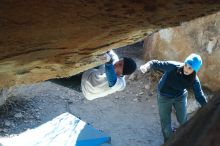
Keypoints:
(145, 68)
(104, 57)
(108, 57)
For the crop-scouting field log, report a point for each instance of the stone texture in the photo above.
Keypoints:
(200, 36)
(46, 39)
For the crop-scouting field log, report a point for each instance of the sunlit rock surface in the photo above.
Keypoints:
(44, 39)
(201, 36)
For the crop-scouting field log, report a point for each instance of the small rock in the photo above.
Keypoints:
(85, 101)
(135, 99)
(18, 115)
(147, 86)
(150, 93)
(5, 130)
(7, 123)
(141, 93)
(133, 77)
(116, 97)
(37, 117)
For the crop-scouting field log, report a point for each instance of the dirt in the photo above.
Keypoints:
(130, 117)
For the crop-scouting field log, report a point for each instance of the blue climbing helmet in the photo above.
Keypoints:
(194, 61)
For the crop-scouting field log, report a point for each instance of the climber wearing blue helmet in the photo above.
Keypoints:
(177, 77)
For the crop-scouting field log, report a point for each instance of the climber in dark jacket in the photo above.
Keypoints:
(177, 77)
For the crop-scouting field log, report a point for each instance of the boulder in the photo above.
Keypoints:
(45, 39)
(199, 36)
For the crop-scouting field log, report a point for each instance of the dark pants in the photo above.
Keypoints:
(165, 105)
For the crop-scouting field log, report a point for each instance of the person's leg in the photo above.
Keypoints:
(165, 109)
(180, 104)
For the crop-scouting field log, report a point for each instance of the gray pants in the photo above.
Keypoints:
(165, 108)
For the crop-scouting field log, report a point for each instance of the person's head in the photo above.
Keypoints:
(192, 64)
(125, 66)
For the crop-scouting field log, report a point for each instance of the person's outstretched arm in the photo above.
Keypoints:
(199, 95)
(110, 58)
(110, 74)
(158, 65)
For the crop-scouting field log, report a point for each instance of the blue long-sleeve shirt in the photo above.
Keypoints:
(110, 74)
(173, 83)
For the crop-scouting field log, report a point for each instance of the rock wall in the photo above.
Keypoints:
(44, 39)
(201, 36)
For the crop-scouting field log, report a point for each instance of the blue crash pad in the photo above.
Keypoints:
(64, 130)
(89, 136)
